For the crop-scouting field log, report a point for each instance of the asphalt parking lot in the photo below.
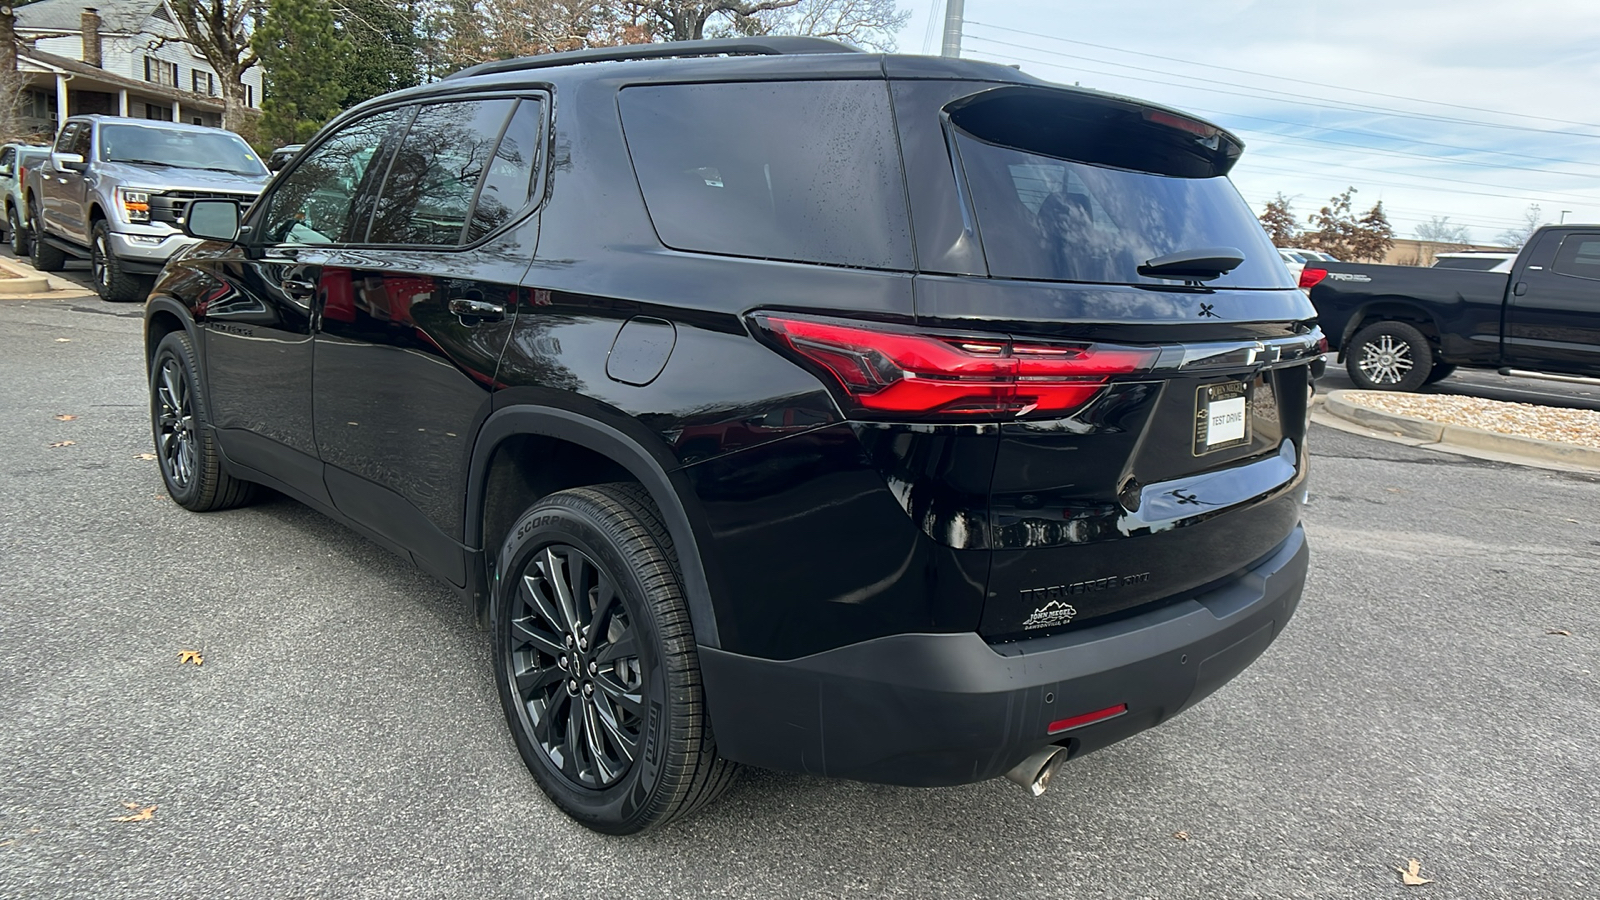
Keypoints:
(343, 739)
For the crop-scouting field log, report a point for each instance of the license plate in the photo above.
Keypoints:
(1221, 417)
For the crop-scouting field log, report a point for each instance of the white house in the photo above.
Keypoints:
(115, 57)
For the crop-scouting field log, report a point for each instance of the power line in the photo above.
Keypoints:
(1297, 98)
(1335, 87)
(1408, 140)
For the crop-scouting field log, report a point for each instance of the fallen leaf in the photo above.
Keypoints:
(1411, 875)
(188, 656)
(145, 456)
(65, 417)
(144, 814)
(1561, 631)
(1181, 835)
(64, 443)
(63, 340)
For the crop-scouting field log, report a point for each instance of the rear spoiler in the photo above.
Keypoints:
(1100, 129)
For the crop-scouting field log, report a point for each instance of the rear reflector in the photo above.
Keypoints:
(1110, 712)
(1309, 277)
(899, 372)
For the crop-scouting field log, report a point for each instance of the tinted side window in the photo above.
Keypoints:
(64, 140)
(1579, 256)
(435, 173)
(510, 177)
(313, 204)
(80, 141)
(804, 171)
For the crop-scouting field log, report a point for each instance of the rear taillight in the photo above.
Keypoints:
(1309, 277)
(897, 372)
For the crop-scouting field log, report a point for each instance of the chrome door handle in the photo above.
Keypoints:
(298, 286)
(477, 309)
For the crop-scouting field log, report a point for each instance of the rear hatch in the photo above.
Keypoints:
(1105, 226)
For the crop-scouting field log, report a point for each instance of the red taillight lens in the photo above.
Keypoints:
(905, 373)
(1309, 277)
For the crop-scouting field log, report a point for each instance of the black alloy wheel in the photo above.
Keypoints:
(174, 424)
(596, 662)
(19, 235)
(577, 668)
(1389, 356)
(110, 282)
(191, 466)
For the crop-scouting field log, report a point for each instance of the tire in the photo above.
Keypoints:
(45, 257)
(1389, 356)
(186, 449)
(21, 245)
(110, 282)
(637, 692)
(1440, 372)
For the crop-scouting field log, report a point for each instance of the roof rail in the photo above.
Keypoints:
(759, 46)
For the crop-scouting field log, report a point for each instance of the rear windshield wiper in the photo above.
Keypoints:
(1199, 264)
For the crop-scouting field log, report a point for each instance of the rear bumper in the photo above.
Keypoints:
(942, 709)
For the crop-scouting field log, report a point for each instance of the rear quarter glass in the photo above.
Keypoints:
(804, 171)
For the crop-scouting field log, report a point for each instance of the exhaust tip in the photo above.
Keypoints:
(1035, 772)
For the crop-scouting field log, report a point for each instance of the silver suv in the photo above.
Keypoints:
(116, 191)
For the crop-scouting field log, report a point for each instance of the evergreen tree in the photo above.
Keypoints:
(1278, 219)
(1374, 235)
(385, 50)
(301, 56)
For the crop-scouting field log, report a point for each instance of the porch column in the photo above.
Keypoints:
(122, 102)
(61, 101)
(177, 112)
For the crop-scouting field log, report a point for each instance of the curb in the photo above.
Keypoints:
(1425, 433)
(29, 282)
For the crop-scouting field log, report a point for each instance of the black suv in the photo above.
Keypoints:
(901, 419)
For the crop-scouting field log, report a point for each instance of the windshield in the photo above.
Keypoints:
(217, 151)
(1052, 219)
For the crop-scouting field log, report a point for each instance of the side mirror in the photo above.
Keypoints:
(68, 161)
(213, 220)
(7, 170)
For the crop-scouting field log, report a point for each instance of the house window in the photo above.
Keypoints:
(249, 95)
(159, 71)
(158, 111)
(203, 83)
(197, 120)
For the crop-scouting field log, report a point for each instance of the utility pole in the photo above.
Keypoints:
(1564, 216)
(952, 28)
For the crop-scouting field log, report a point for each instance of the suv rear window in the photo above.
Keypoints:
(802, 171)
(1046, 216)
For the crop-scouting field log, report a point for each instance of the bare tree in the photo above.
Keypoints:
(685, 20)
(220, 32)
(1532, 220)
(1440, 230)
(867, 23)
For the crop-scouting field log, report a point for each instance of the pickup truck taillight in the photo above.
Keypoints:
(898, 373)
(1309, 277)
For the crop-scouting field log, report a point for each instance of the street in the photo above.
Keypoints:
(1436, 697)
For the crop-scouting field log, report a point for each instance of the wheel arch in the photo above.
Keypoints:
(590, 452)
(162, 316)
(1390, 309)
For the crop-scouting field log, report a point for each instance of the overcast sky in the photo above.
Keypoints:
(1467, 109)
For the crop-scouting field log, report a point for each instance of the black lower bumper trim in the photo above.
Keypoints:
(943, 709)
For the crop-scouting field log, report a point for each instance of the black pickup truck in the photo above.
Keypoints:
(1397, 327)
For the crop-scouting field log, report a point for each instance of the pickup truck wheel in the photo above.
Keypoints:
(186, 449)
(113, 284)
(1440, 372)
(1389, 356)
(596, 665)
(20, 246)
(45, 257)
